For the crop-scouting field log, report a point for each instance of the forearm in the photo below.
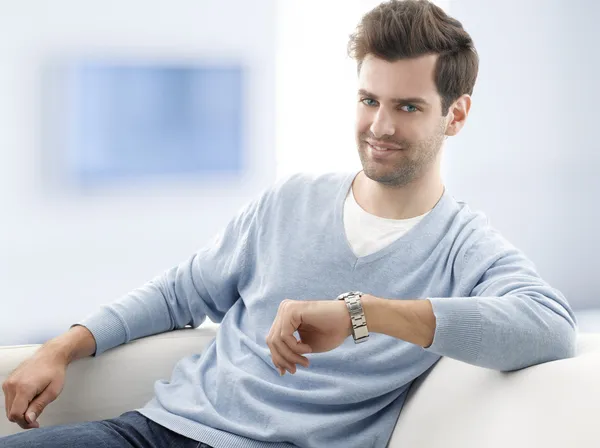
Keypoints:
(410, 320)
(205, 285)
(178, 298)
(501, 333)
(161, 305)
(505, 333)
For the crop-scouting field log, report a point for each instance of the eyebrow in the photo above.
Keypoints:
(411, 100)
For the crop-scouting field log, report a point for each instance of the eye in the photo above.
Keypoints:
(409, 108)
(369, 102)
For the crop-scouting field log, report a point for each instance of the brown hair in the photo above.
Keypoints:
(402, 29)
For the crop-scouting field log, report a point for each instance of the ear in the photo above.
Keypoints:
(457, 115)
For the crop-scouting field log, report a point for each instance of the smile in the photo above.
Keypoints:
(376, 149)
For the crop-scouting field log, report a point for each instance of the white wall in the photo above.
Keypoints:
(61, 254)
(528, 156)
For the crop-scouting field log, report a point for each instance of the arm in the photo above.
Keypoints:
(410, 320)
(184, 295)
(206, 285)
(40, 379)
(511, 320)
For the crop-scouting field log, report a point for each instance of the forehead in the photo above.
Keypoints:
(404, 78)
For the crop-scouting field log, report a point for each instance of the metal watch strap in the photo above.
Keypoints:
(360, 332)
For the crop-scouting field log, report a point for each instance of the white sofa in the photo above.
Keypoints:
(455, 405)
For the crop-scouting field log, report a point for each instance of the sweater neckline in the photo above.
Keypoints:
(423, 228)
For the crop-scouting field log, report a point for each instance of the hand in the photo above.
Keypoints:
(322, 325)
(33, 385)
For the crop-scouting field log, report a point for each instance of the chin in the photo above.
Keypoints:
(390, 175)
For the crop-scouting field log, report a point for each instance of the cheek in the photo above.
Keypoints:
(363, 120)
(415, 129)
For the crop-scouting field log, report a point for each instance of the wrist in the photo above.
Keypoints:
(347, 317)
(76, 343)
(369, 305)
(56, 349)
(358, 323)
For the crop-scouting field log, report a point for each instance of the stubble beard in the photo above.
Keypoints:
(411, 163)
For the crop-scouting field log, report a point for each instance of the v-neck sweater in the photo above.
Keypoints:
(492, 309)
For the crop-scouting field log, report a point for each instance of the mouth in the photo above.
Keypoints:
(382, 149)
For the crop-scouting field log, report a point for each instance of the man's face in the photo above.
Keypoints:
(399, 124)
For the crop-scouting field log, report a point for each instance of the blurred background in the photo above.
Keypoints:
(131, 131)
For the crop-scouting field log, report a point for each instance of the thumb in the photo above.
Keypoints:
(36, 407)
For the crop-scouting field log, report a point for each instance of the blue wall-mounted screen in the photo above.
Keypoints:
(128, 121)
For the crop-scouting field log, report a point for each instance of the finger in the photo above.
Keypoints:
(288, 328)
(18, 408)
(8, 399)
(280, 363)
(296, 346)
(289, 347)
(278, 357)
(291, 344)
(275, 358)
(34, 425)
(29, 425)
(39, 403)
(289, 357)
(301, 348)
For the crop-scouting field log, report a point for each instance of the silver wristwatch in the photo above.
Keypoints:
(360, 332)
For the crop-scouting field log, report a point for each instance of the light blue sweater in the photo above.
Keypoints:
(492, 310)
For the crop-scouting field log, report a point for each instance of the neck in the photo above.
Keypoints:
(409, 201)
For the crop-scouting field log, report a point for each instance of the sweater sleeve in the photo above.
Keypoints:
(205, 285)
(511, 320)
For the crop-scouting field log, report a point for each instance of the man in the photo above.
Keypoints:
(436, 281)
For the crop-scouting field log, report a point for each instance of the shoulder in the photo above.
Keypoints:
(301, 187)
(478, 235)
(301, 182)
(481, 246)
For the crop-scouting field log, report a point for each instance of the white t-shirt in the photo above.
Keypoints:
(367, 233)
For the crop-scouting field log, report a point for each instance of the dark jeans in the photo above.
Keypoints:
(129, 430)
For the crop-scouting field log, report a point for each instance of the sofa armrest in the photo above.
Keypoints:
(117, 381)
(551, 405)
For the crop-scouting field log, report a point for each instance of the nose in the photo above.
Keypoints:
(382, 124)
